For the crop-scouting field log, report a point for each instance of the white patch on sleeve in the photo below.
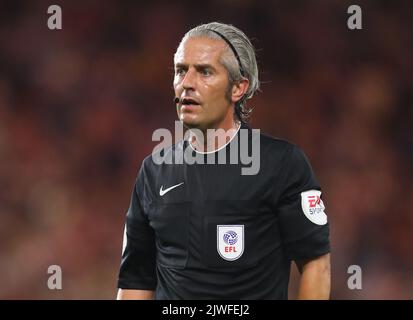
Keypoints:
(125, 240)
(313, 207)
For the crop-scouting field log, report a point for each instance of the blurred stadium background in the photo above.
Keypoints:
(78, 107)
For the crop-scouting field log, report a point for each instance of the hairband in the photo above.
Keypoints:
(232, 48)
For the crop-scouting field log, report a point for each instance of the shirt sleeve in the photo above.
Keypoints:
(138, 264)
(301, 213)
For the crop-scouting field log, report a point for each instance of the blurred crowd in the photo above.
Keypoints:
(78, 107)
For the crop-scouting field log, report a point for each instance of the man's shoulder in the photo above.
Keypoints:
(286, 151)
(275, 144)
(265, 139)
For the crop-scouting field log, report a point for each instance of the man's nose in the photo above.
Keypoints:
(189, 80)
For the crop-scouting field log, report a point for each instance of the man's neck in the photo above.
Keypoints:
(211, 140)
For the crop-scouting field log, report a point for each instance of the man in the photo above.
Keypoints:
(206, 231)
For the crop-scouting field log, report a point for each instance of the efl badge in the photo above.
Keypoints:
(230, 241)
(313, 207)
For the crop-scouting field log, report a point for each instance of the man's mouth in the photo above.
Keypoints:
(189, 101)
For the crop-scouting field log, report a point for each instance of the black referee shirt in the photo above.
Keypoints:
(205, 231)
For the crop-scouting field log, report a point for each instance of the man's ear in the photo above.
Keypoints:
(239, 89)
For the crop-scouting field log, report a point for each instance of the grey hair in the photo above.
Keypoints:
(246, 53)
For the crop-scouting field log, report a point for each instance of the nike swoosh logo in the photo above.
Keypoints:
(162, 192)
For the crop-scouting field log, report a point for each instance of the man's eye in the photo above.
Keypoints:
(179, 72)
(206, 72)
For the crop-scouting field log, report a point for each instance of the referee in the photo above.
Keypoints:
(205, 230)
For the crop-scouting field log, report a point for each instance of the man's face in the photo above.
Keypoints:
(202, 82)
